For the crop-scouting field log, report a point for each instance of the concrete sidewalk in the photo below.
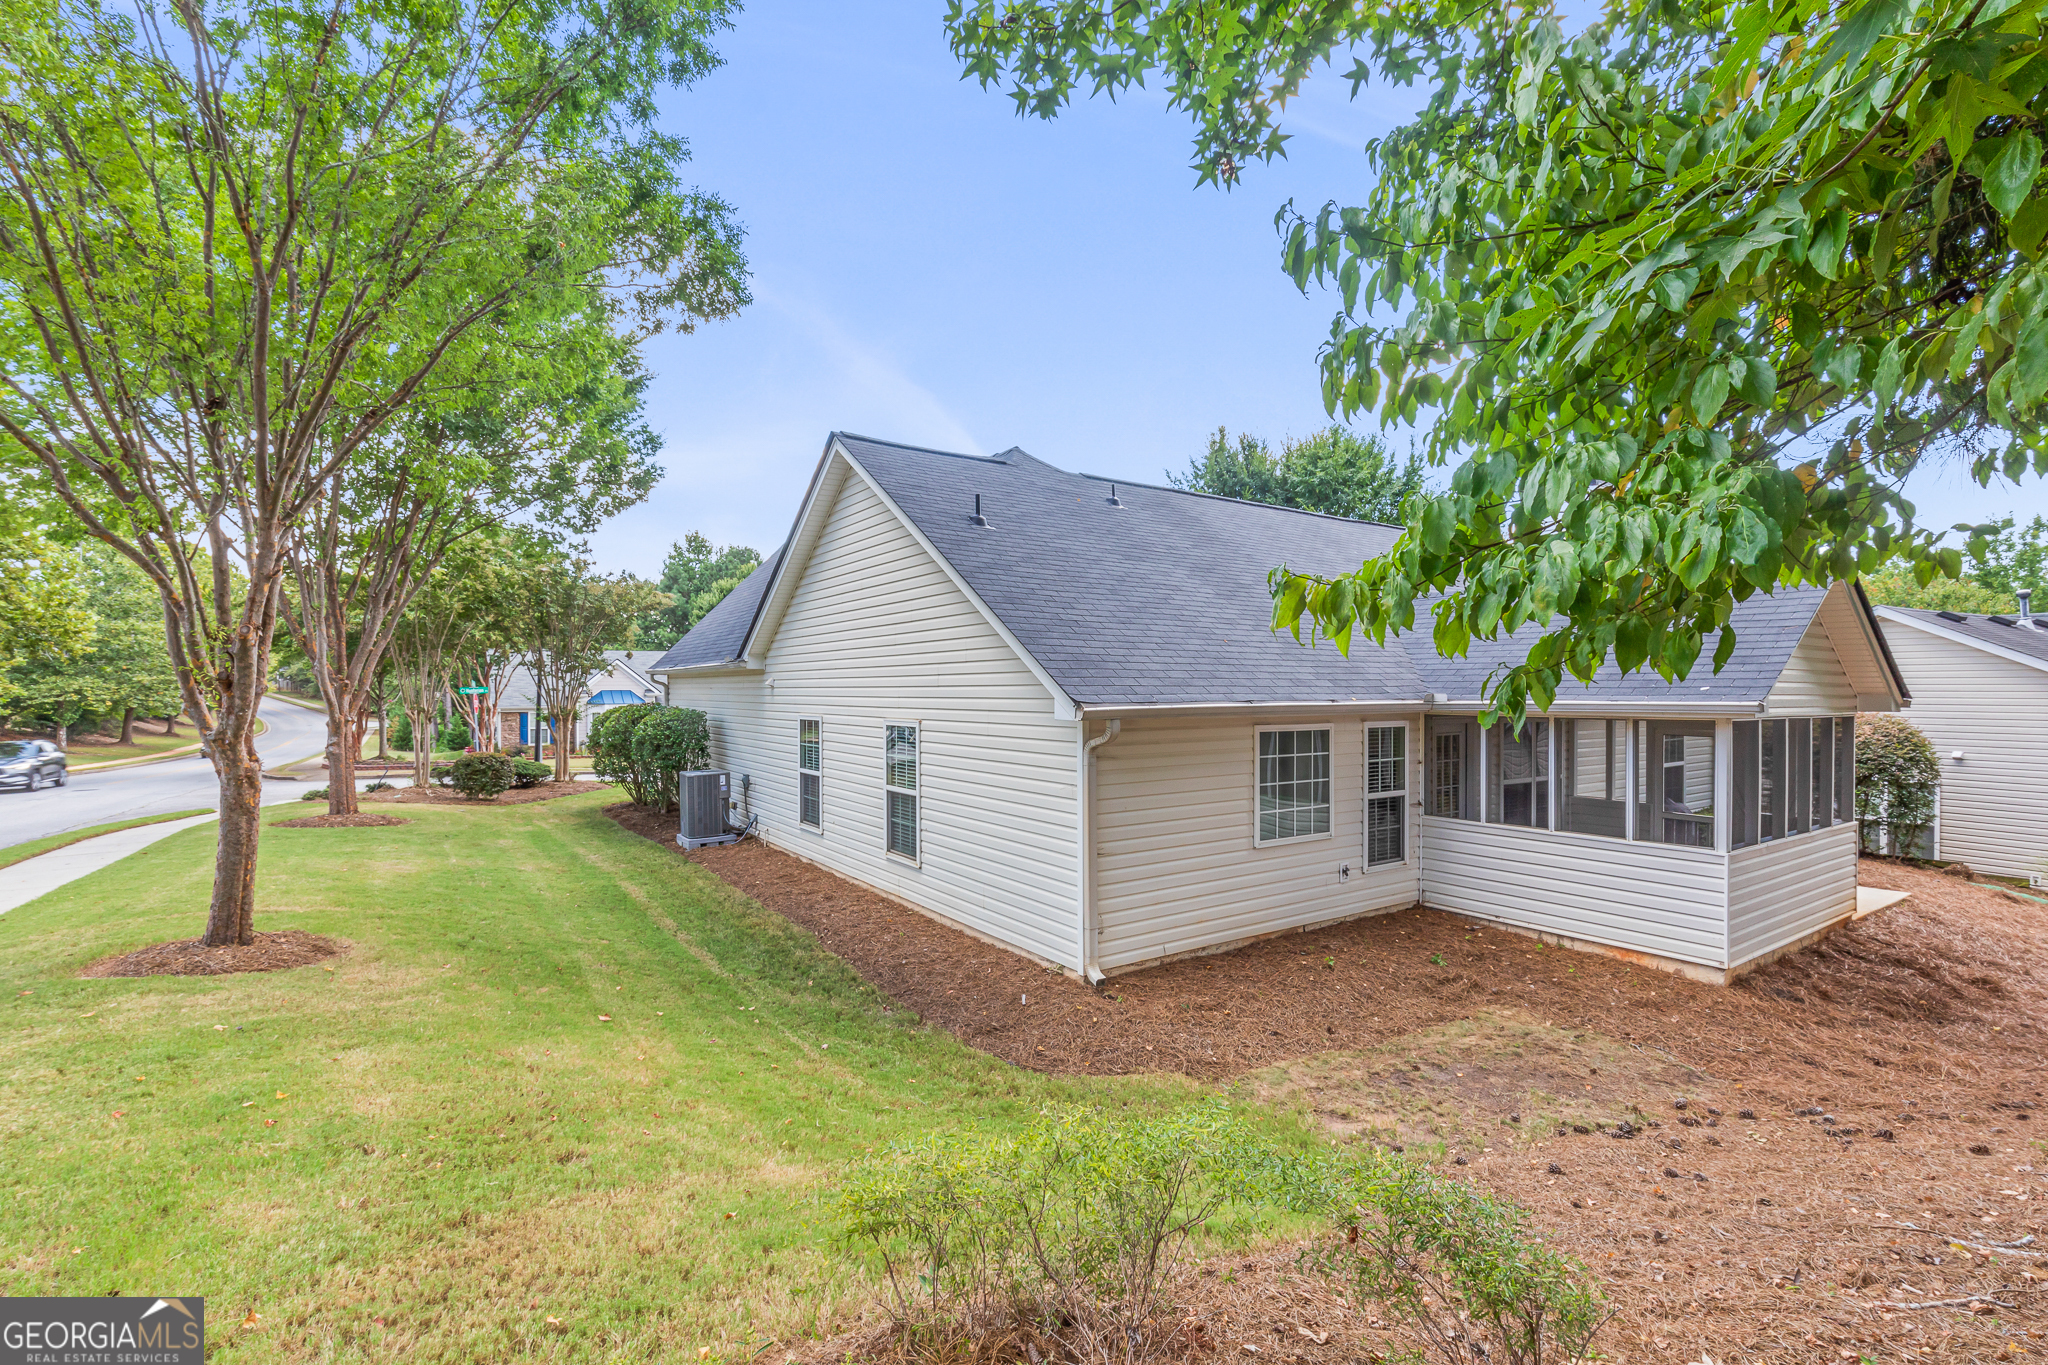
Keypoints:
(44, 873)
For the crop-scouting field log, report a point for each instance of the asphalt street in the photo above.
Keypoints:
(98, 798)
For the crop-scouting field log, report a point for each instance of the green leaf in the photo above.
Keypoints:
(1709, 392)
(1758, 381)
(2010, 178)
(2030, 361)
(1674, 288)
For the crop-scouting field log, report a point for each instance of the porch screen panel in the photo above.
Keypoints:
(1677, 805)
(1771, 782)
(1823, 771)
(1845, 768)
(1591, 792)
(1453, 746)
(1518, 787)
(1798, 775)
(1746, 740)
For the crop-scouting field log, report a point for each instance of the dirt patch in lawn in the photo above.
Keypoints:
(276, 952)
(517, 796)
(1858, 1131)
(359, 820)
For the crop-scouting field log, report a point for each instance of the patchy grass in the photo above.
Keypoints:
(15, 853)
(441, 1149)
(87, 749)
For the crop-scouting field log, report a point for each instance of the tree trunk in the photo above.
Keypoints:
(563, 741)
(231, 918)
(422, 745)
(343, 705)
(128, 725)
(64, 736)
(171, 723)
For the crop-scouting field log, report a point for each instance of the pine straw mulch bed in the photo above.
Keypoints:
(516, 796)
(274, 952)
(360, 820)
(1788, 1236)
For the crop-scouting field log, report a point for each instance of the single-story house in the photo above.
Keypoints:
(1049, 709)
(624, 681)
(1980, 695)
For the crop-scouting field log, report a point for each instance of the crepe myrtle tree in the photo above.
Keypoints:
(555, 439)
(570, 615)
(238, 240)
(1682, 294)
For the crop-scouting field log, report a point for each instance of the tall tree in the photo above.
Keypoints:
(551, 435)
(239, 239)
(119, 668)
(1685, 294)
(696, 576)
(571, 616)
(1335, 471)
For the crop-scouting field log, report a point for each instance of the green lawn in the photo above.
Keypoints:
(14, 853)
(148, 744)
(462, 1147)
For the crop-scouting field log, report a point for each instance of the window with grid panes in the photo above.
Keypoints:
(809, 798)
(1386, 793)
(899, 776)
(1294, 784)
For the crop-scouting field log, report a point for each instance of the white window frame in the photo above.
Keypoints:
(915, 793)
(816, 773)
(1328, 833)
(1398, 795)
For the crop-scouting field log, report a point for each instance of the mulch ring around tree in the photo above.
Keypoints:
(276, 952)
(516, 796)
(356, 821)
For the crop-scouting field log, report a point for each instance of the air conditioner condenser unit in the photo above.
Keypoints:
(706, 794)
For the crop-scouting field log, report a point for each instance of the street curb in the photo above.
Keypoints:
(297, 701)
(165, 757)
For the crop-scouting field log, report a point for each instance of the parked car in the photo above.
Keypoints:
(31, 763)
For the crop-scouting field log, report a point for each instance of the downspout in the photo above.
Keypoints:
(1089, 970)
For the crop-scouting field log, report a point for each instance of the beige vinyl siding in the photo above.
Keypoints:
(1814, 682)
(873, 634)
(1177, 870)
(1641, 897)
(1994, 802)
(1780, 892)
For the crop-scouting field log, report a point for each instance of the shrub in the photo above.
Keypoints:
(317, 794)
(611, 748)
(1897, 778)
(1460, 1266)
(526, 773)
(514, 751)
(453, 733)
(481, 776)
(1066, 1232)
(666, 744)
(441, 774)
(401, 732)
(380, 786)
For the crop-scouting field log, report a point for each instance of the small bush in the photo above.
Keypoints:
(666, 744)
(481, 776)
(526, 773)
(611, 748)
(453, 733)
(380, 786)
(514, 751)
(1897, 779)
(401, 732)
(441, 774)
(317, 794)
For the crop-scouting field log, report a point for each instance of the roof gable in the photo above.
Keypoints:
(2022, 642)
(719, 635)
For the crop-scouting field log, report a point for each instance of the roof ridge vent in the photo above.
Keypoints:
(1955, 616)
(2003, 620)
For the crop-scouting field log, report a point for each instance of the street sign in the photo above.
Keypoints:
(472, 691)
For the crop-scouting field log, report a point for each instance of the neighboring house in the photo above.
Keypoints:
(1980, 695)
(625, 681)
(1066, 726)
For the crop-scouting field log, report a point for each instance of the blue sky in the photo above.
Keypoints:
(928, 267)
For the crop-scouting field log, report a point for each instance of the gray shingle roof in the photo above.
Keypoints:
(1160, 601)
(1767, 630)
(717, 638)
(1163, 601)
(2021, 637)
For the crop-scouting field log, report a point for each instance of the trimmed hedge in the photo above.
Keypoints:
(646, 748)
(481, 776)
(1897, 778)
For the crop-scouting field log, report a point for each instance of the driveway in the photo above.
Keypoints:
(98, 798)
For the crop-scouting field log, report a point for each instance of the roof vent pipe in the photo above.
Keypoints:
(1114, 500)
(2026, 596)
(978, 519)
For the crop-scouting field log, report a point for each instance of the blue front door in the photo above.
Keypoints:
(522, 727)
